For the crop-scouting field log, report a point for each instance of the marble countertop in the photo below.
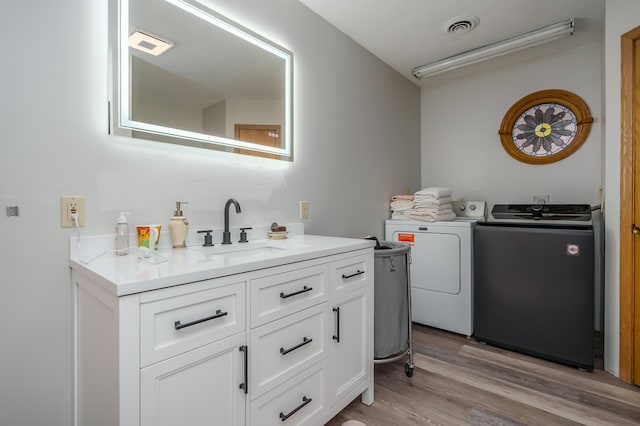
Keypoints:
(138, 272)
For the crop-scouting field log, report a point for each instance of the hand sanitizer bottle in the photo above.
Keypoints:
(122, 235)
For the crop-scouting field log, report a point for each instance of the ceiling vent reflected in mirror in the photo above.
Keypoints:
(147, 43)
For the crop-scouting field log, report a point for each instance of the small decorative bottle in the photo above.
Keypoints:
(178, 227)
(122, 235)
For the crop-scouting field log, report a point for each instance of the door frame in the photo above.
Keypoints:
(629, 148)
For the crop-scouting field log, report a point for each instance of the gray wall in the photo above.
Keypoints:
(357, 142)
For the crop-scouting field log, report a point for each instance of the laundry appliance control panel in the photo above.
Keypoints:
(470, 209)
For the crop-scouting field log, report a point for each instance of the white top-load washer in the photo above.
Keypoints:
(441, 267)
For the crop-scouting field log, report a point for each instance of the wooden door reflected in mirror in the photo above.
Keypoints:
(262, 134)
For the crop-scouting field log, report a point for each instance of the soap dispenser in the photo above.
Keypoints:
(178, 227)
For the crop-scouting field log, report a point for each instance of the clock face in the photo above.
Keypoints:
(545, 126)
(544, 129)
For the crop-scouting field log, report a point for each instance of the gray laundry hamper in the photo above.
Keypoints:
(392, 304)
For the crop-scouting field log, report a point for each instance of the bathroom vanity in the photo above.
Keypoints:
(265, 333)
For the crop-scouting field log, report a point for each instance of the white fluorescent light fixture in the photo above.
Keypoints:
(149, 44)
(542, 35)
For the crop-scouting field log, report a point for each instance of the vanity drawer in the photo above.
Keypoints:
(298, 401)
(174, 325)
(352, 273)
(286, 347)
(278, 295)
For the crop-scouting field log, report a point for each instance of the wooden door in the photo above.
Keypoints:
(262, 134)
(630, 208)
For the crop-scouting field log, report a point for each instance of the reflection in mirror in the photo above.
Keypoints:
(213, 78)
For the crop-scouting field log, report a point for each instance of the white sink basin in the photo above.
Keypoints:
(241, 252)
(251, 251)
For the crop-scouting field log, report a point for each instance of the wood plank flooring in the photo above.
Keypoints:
(459, 381)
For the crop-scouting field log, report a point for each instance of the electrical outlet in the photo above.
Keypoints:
(304, 210)
(70, 205)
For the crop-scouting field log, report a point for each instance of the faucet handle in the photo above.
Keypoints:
(208, 239)
(243, 235)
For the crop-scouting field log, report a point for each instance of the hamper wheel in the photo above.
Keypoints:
(408, 369)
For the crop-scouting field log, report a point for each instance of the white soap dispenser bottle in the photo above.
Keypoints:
(122, 235)
(178, 227)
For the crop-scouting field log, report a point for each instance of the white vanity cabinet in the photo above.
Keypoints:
(288, 344)
(200, 387)
(353, 310)
(157, 357)
(307, 366)
(192, 351)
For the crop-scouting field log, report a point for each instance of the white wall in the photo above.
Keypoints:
(214, 119)
(461, 115)
(155, 98)
(356, 138)
(621, 16)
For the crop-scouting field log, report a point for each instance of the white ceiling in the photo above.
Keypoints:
(408, 33)
(206, 63)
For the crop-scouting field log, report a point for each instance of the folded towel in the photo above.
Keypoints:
(433, 217)
(443, 208)
(401, 205)
(433, 202)
(402, 198)
(434, 192)
(433, 210)
(401, 215)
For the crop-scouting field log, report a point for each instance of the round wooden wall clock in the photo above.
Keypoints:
(545, 126)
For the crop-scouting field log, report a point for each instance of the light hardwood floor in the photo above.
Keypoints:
(459, 381)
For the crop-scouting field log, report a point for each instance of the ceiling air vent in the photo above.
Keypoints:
(460, 24)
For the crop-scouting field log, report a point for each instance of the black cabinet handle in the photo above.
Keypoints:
(359, 272)
(284, 351)
(218, 314)
(304, 290)
(336, 336)
(245, 385)
(305, 401)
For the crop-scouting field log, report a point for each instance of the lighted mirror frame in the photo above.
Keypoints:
(120, 81)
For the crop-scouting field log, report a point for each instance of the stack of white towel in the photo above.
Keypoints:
(401, 206)
(432, 204)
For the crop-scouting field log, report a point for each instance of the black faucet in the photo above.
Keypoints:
(226, 235)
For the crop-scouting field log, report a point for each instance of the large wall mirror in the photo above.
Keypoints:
(182, 73)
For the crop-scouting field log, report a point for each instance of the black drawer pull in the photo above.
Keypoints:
(304, 290)
(284, 351)
(305, 401)
(359, 272)
(218, 314)
(245, 385)
(336, 336)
